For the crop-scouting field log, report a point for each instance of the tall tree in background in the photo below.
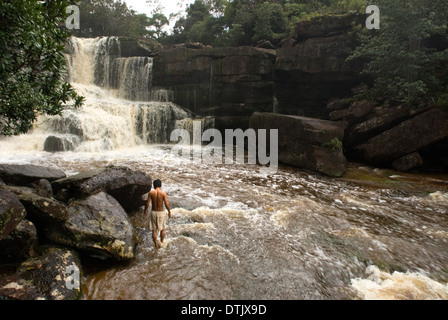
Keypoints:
(403, 57)
(157, 22)
(32, 64)
(111, 18)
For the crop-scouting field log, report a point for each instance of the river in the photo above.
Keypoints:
(239, 232)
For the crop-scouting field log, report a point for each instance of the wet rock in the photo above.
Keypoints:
(41, 209)
(99, 225)
(46, 277)
(307, 143)
(61, 143)
(356, 112)
(408, 162)
(44, 188)
(409, 136)
(337, 104)
(380, 122)
(12, 212)
(20, 244)
(125, 185)
(22, 175)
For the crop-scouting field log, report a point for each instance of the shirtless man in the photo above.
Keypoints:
(157, 219)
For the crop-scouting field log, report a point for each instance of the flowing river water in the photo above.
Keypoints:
(238, 232)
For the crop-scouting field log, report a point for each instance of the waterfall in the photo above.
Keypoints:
(132, 77)
(120, 111)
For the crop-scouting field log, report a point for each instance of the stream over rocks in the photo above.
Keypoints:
(237, 231)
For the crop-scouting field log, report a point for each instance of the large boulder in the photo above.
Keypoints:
(21, 175)
(355, 113)
(307, 143)
(42, 210)
(12, 212)
(99, 225)
(406, 138)
(54, 275)
(382, 120)
(125, 185)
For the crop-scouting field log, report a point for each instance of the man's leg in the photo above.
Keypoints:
(154, 238)
(162, 236)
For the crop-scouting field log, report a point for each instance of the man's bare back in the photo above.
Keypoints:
(158, 199)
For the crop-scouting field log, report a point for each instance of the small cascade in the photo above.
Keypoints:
(132, 77)
(162, 95)
(107, 50)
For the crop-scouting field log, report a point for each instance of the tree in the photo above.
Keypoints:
(402, 58)
(32, 64)
(111, 18)
(157, 22)
(271, 21)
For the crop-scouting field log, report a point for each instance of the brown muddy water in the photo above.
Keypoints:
(237, 233)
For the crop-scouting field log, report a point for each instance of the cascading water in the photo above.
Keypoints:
(237, 232)
(117, 112)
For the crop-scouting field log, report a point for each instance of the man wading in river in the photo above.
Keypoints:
(157, 218)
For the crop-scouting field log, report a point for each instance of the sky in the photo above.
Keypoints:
(170, 6)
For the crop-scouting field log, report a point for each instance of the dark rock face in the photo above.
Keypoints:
(408, 162)
(130, 47)
(125, 185)
(305, 142)
(12, 212)
(219, 82)
(406, 138)
(22, 175)
(235, 82)
(19, 244)
(327, 26)
(379, 121)
(312, 67)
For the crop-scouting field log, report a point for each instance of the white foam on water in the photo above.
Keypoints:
(380, 285)
(439, 196)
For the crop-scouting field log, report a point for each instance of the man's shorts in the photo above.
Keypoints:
(157, 220)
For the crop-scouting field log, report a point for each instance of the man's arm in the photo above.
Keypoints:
(148, 202)
(167, 205)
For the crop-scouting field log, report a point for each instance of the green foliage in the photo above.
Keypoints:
(247, 22)
(401, 57)
(114, 18)
(270, 22)
(32, 64)
(334, 145)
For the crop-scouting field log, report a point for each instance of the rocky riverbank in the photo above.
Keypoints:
(49, 220)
